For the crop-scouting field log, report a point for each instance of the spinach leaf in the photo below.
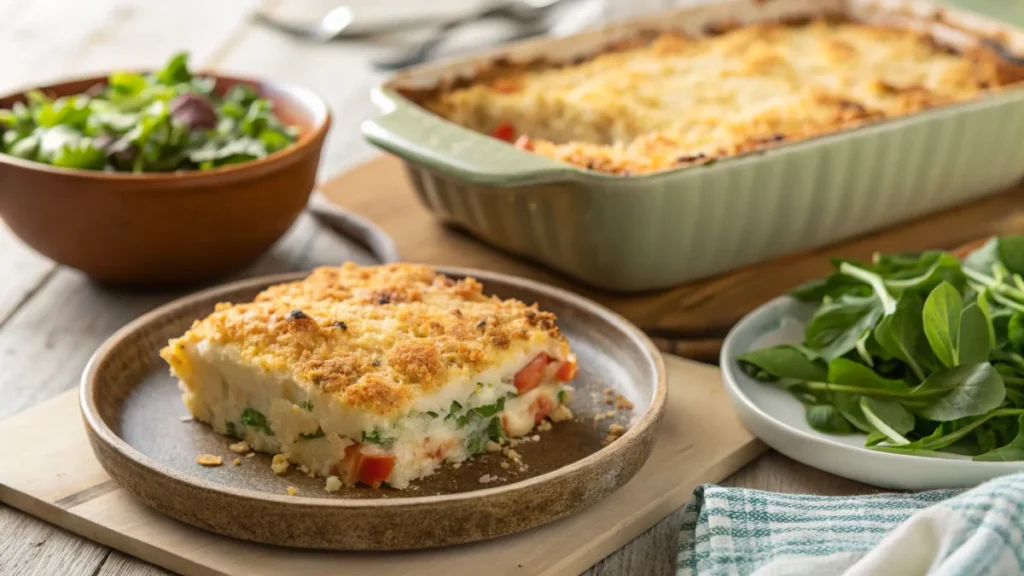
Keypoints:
(973, 341)
(888, 417)
(850, 373)
(875, 281)
(874, 438)
(175, 71)
(256, 420)
(1011, 253)
(825, 418)
(990, 317)
(942, 322)
(784, 361)
(1013, 451)
(848, 406)
(901, 334)
(924, 274)
(833, 285)
(958, 392)
(1015, 331)
(836, 326)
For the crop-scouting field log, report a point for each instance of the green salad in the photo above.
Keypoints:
(161, 122)
(921, 352)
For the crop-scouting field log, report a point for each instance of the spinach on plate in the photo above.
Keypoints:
(921, 352)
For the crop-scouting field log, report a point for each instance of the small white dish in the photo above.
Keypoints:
(777, 418)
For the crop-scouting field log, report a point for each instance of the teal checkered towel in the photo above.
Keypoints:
(945, 532)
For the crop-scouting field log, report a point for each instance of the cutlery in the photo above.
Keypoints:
(341, 23)
(423, 51)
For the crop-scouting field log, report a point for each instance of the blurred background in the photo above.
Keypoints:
(292, 40)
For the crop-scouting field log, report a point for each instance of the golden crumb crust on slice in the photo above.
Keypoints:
(676, 100)
(374, 337)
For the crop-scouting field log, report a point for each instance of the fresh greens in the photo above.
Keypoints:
(166, 121)
(256, 420)
(921, 352)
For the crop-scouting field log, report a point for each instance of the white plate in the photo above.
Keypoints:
(777, 418)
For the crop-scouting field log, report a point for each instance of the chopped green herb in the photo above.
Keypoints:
(432, 414)
(485, 411)
(561, 396)
(491, 409)
(232, 431)
(318, 434)
(257, 421)
(375, 438)
(307, 405)
(495, 431)
(476, 443)
(453, 411)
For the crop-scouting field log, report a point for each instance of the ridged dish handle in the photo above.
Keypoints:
(418, 136)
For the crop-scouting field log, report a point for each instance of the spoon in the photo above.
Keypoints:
(524, 11)
(341, 24)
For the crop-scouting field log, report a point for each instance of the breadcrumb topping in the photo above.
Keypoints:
(375, 337)
(678, 101)
(209, 460)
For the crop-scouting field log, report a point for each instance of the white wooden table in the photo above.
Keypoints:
(52, 318)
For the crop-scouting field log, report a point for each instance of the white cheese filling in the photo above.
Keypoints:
(277, 415)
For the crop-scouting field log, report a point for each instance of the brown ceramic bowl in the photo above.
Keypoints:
(159, 229)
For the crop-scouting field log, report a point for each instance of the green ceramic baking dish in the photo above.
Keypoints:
(652, 231)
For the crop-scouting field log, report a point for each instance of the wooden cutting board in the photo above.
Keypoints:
(50, 472)
(689, 320)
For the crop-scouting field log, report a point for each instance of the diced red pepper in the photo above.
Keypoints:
(532, 374)
(504, 131)
(567, 370)
(370, 468)
(524, 143)
(374, 469)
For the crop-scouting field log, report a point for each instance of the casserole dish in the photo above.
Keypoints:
(654, 230)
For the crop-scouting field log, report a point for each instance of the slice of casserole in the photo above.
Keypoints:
(374, 374)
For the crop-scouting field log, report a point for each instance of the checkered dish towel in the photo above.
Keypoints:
(943, 532)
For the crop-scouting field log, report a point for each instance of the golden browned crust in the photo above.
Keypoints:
(375, 337)
(674, 101)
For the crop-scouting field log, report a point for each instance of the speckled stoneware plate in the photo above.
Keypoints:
(132, 412)
(777, 418)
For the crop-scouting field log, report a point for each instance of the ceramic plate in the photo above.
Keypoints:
(133, 411)
(778, 419)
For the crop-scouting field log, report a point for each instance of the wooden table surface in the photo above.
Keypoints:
(52, 318)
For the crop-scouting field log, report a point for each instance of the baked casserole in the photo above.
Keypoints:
(647, 106)
(374, 374)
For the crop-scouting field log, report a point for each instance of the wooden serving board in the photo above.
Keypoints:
(689, 320)
(49, 471)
